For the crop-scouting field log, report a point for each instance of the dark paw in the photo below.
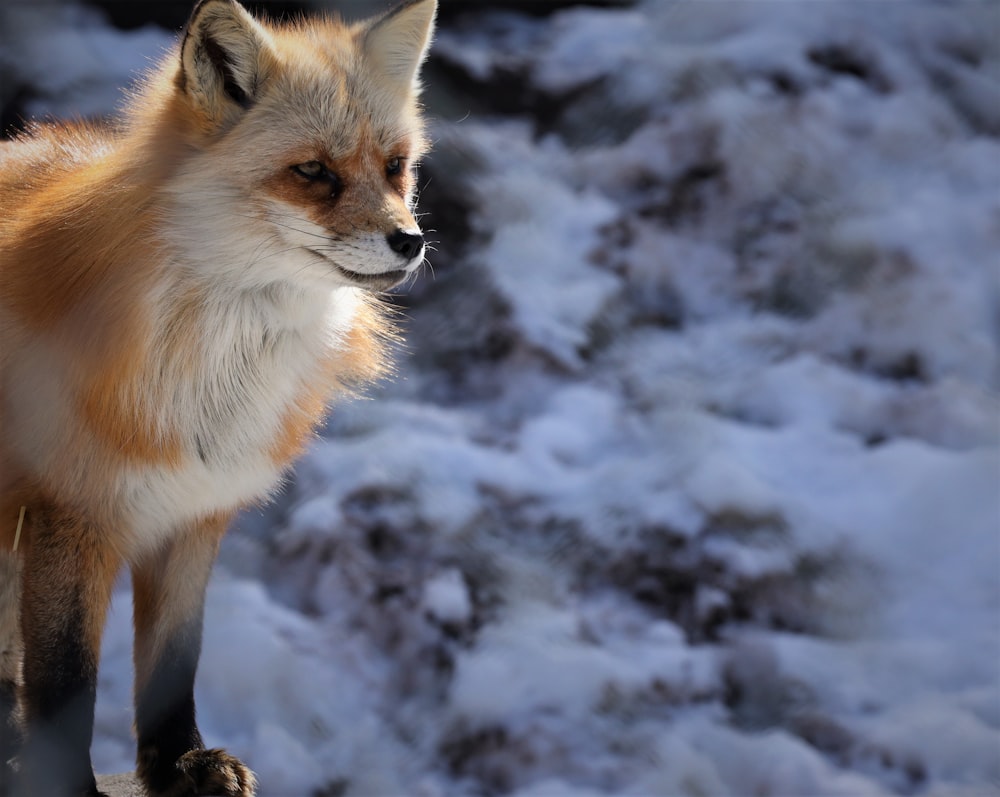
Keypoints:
(214, 772)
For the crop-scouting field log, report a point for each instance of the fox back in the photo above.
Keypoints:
(181, 293)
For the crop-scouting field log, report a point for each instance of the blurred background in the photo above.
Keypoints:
(688, 482)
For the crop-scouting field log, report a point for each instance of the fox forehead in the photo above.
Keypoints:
(322, 93)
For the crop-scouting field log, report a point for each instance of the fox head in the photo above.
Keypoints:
(300, 142)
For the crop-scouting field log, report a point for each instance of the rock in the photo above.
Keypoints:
(120, 785)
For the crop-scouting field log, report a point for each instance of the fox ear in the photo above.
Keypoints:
(396, 44)
(223, 59)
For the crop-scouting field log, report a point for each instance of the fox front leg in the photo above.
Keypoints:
(67, 578)
(169, 593)
(10, 665)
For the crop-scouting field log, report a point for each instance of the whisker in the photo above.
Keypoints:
(430, 267)
(277, 223)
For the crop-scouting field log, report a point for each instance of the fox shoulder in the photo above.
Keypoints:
(42, 152)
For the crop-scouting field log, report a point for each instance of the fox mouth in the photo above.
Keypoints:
(372, 282)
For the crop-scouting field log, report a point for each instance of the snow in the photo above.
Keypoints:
(689, 482)
(73, 63)
(446, 598)
(543, 231)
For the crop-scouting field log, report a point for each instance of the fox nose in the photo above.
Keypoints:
(407, 244)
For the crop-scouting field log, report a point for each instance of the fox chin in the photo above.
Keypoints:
(182, 292)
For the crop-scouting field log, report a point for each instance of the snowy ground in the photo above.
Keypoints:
(690, 481)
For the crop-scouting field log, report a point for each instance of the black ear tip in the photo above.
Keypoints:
(196, 12)
(201, 6)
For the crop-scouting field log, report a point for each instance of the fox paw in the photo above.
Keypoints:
(203, 773)
(215, 772)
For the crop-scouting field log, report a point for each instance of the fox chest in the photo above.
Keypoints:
(239, 429)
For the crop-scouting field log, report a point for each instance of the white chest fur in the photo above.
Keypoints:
(256, 356)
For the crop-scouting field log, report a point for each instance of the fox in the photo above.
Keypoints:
(183, 291)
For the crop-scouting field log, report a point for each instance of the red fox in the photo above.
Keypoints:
(181, 292)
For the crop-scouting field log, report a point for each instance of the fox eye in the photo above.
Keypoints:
(311, 170)
(317, 174)
(394, 166)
